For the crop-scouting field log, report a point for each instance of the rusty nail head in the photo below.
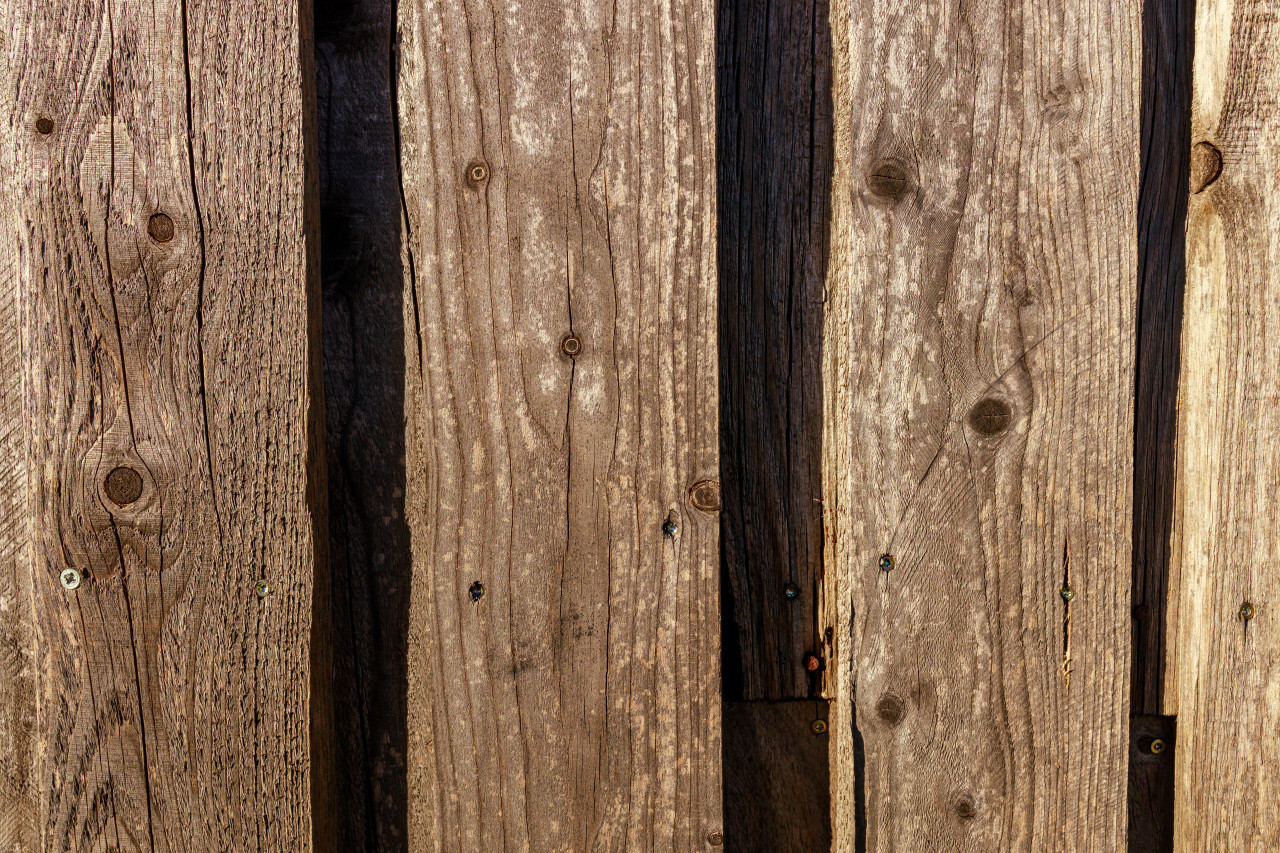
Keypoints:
(1157, 746)
(791, 591)
(812, 662)
(716, 838)
(571, 345)
(262, 588)
(70, 579)
(819, 727)
(1246, 611)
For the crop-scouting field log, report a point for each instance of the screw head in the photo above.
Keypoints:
(69, 578)
(812, 662)
(1157, 746)
(478, 172)
(1246, 611)
(668, 528)
(886, 562)
(1067, 593)
(571, 345)
(715, 839)
(791, 591)
(818, 727)
(476, 591)
(262, 588)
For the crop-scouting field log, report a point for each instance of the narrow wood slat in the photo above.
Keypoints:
(165, 187)
(558, 165)
(979, 400)
(774, 148)
(1228, 665)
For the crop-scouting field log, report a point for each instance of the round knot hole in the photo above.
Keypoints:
(160, 227)
(990, 416)
(44, 126)
(123, 485)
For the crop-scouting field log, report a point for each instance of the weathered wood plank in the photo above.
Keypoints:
(978, 444)
(1228, 660)
(364, 418)
(776, 783)
(559, 184)
(1151, 759)
(165, 159)
(774, 148)
(1162, 210)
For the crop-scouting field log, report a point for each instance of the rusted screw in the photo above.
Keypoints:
(818, 727)
(476, 590)
(44, 126)
(70, 579)
(812, 662)
(1157, 746)
(1246, 611)
(571, 345)
(262, 588)
(715, 839)
(668, 528)
(886, 562)
(791, 591)
(478, 172)
(1067, 593)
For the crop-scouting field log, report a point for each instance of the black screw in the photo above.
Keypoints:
(668, 528)
(791, 591)
(477, 591)
(886, 562)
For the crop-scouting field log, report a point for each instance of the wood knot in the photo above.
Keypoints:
(123, 485)
(705, 495)
(478, 172)
(990, 416)
(44, 126)
(891, 709)
(1206, 165)
(888, 179)
(160, 227)
(965, 807)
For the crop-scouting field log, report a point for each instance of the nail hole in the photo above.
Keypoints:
(478, 172)
(476, 591)
(160, 227)
(1206, 166)
(891, 709)
(123, 486)
(44, 126)
(990, 416)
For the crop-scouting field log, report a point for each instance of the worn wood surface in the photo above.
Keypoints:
(774, 147)
(165, 186)
(19, 805)
(1162, 209)
(776, 792)
(1151, 759)
(559, 179)
(979, 374)
(364, 418)
(1228, 679)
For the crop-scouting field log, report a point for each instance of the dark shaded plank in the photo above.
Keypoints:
(774, 150)
(559, 183)
(1162, 212)
(1151, 751)
(165, 155)
(1228, 617)
(364, 417)
(776, 793)
(978, 448)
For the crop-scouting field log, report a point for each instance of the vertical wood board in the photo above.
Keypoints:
(979, 404)
(558, 176)
(1228, 618)
(164, 166)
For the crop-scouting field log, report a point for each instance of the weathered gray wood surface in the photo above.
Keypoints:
(559, 180)
(164, 182)
(774, 147)
(1228, 617)
(979, 369)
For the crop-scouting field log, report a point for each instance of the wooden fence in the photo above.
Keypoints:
(641, 425)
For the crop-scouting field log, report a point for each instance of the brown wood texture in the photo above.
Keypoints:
(776, 782)
(164, 166)
(1162, 211)
(978, 446)
(19, 804)
(558, 173)
(775, 156)
(363, 287)
(1151, 751)
(1228, 618)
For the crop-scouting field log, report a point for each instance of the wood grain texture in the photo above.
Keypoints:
(1152, 742)
(19, 799)
(979, 398)
(363, 288)
(559, 178)
(165, 165)
(1162, 210)
(1228, 680)
(776, 782)
(775, 154)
